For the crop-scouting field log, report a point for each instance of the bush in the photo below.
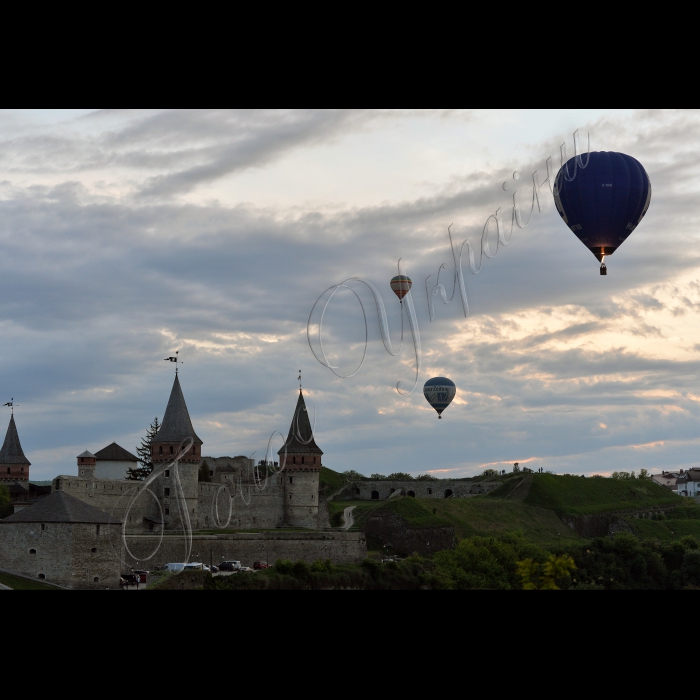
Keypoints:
(485, 563)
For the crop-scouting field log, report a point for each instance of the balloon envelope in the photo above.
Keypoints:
(439, 392)
(401, 285)
(605, 201)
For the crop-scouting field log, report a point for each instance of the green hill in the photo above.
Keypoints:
(533, 504)
(573, 495)
(330, 481)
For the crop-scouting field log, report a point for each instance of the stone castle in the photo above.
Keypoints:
(289, 497)
(70, 532)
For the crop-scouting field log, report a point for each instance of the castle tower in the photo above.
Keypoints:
(14, 466)
(300, 470)
(175, 428)
(86, 465)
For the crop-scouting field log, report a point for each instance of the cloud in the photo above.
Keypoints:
(97, 284)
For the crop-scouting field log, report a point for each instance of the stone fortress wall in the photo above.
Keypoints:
(248, 547)
(440, 488)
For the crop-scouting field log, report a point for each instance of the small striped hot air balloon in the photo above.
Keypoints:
(401, 285)
(439, 392)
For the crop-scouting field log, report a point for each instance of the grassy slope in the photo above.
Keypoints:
(572, 495)
(18, 583)
(331, 481)
(664, 530)
(533, 505)
(487, 516)
(470, 516)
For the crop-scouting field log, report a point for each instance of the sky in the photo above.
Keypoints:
(126, 235)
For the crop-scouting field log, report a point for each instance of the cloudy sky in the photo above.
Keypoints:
(127, 235)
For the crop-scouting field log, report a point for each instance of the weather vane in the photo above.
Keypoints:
(175, 359)
(11, 404)
(299, 378)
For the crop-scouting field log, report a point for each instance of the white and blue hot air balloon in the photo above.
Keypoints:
(439, 392)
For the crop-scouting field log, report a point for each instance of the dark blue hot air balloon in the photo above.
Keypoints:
(439, 392)
(603, 202)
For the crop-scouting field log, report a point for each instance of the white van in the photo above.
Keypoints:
(174, 567)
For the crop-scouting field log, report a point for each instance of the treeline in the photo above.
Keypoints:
(497, 563)
(643, 474)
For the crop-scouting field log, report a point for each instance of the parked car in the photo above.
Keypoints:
(261, 565)
(196, 566)
(229, 566)
(214, 569)
(245, 569)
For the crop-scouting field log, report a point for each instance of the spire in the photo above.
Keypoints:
(301, 436)
(176, 425)
(11, 452)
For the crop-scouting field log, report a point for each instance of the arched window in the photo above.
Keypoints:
(314, 460)
(412, 494)
(375, 495)
(171, 449)
(294, 461)
(430, 492)
(32, 551)
(302, 459)
(160, 450)
(448, 493)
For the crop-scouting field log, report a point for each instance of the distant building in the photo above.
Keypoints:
(113, 462)
(688, 483)
(667, 479)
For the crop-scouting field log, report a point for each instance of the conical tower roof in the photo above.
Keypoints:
(176, 425)
(11, 452)
(301, 437)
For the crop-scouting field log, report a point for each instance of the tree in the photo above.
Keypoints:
(5, 505)
(516, 468)
(204, 472)
(536, 577)
(644, 474)
(399, 476)
(489, 472)
(144, 452)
